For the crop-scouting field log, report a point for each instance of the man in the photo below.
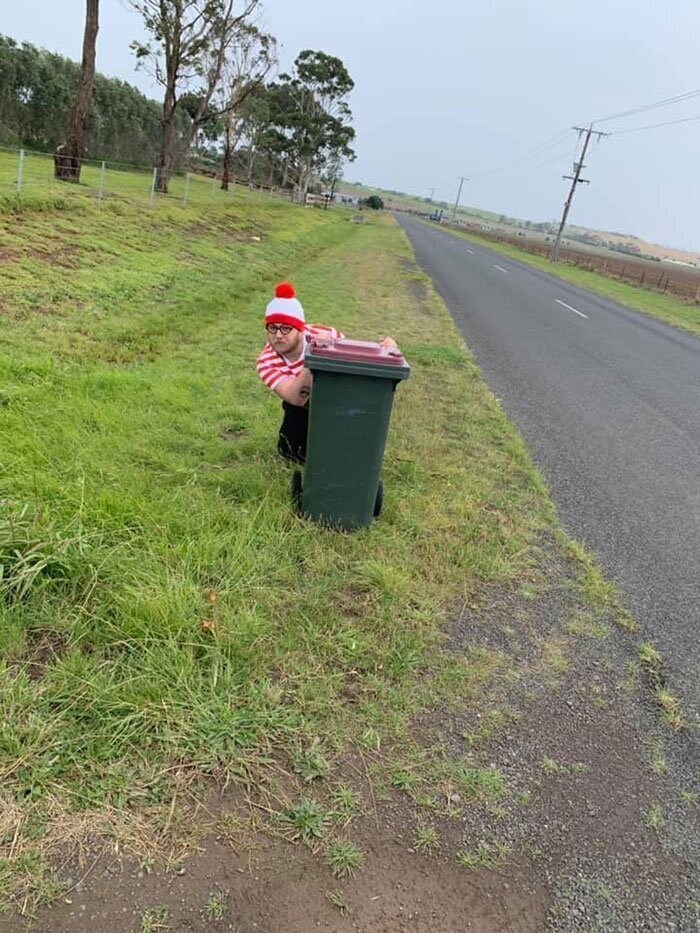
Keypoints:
(281, 367)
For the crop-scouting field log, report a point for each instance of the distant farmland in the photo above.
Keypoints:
(665, 277)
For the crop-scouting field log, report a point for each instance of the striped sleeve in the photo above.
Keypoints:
(272, 369)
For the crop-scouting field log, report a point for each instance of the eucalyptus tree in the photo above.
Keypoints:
(187, 49)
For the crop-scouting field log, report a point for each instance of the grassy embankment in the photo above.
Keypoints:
(671, 310)
(164, 616)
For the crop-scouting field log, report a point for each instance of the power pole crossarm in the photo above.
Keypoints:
(575, 180)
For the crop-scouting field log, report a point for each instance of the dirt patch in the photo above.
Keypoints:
(231, 435)
(272, 886)
(66, 256)
(7, 254)
(416, 287)
(44, 648)
(224, 232)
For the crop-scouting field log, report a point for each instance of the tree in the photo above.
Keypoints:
(253, 55)
(189, 43)
(36, 100)
(314, 115)
(374, 202)
(69, 156)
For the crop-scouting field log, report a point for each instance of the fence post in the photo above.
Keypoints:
(187, 186)
(20, 170)
(153, 183)
(213, 186)
(101, 184)
(644, 275)
(697, 295)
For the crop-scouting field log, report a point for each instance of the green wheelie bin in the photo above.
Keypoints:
(350, 407)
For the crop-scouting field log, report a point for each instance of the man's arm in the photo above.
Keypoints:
(295, 391)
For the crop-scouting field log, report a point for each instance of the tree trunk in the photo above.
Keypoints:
(304, 182)
(167, 149)
(68, 157)
(251, 162)
(226, 170)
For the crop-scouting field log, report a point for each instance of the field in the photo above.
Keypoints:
(666, 278)
(215, 712)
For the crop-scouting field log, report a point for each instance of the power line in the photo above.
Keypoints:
(524, 156)
(652, 126)
(689, 95)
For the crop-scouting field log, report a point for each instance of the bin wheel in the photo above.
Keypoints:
(379, 501)
(296, 490)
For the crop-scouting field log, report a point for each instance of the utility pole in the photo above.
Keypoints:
(461, 182)
(432, 194)
(575, 180)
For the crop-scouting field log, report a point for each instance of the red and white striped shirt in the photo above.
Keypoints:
(273, 367)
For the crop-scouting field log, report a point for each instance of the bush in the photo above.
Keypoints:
(374, 202)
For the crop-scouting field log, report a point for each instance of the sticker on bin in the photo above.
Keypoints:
(355, 351)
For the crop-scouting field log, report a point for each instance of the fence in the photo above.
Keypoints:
(27, 173)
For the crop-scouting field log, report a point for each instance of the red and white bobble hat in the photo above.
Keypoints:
(285, 308)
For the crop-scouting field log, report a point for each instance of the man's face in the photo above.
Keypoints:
(286, 344)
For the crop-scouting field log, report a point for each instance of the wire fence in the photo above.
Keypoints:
(27, 173)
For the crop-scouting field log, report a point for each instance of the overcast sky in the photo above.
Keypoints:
(452, 88)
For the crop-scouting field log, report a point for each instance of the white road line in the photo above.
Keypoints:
(565, 305)
(500, 268)
(470, 251)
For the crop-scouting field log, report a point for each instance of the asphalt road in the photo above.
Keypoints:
(608, 402)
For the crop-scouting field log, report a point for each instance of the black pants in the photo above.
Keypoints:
(295, 426)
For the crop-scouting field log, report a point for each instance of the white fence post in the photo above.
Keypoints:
(153, 183)
(20, 170)
(101, 185)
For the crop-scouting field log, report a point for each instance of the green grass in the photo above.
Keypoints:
(154, 919)
(426, 840)
(163, 611)
(653, 817)
(343, 858)
(663, 307)
(306, 821)
(479, 785)
(484, 856)
(215, 906)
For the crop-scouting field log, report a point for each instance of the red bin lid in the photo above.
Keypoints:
(355, 351)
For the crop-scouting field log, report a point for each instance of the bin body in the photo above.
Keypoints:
(350, 408)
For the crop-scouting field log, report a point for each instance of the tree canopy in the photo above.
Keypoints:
(220, 110)
(36, 94)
